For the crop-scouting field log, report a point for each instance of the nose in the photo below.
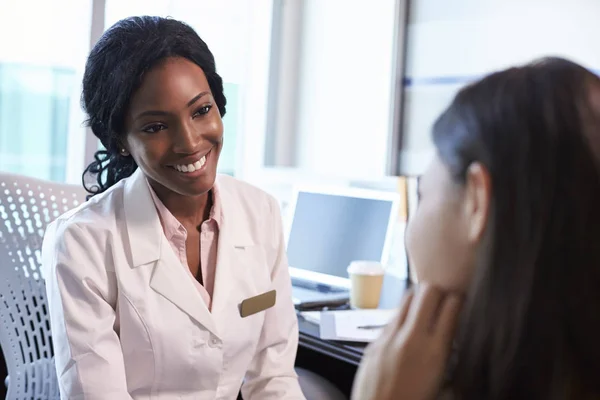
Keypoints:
(186, 139)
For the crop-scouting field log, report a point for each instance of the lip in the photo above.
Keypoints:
(191, 160)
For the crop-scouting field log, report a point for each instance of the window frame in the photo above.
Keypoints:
(277, 153)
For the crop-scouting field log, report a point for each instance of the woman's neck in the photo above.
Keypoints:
(188, 210)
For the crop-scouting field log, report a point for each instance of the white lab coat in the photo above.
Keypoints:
(128, 322)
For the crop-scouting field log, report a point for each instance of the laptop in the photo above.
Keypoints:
(328, 228)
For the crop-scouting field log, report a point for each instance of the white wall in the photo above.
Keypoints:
(465, 39)
(223, 24)
(345, 87)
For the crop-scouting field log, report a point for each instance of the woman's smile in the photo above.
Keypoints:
(194, 167)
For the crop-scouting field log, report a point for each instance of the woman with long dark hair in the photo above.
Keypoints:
(506, 243)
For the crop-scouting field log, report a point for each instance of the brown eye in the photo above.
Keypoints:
(202, 110)
(154, 128)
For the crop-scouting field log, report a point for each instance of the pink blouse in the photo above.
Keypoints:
(176, 234)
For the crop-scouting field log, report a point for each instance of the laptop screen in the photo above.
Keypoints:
(328, 231)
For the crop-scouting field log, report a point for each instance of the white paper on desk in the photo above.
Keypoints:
(344, 325)
(312, 316)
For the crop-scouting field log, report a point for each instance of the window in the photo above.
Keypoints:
(330, 110)
(333, 75)
(450, 44)
(41, 60)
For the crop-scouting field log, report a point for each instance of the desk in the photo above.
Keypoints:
(338, 361)
(347, 352)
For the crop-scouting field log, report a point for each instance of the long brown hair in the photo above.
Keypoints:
(531, 327)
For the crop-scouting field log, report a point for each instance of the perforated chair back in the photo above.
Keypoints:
(27, 206)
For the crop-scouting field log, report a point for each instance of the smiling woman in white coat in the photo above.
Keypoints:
(170, 282)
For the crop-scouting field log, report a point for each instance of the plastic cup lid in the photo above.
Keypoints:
(360, 267)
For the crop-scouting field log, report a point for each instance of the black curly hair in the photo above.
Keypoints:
(114, 71)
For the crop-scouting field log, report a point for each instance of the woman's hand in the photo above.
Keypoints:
(408, 361)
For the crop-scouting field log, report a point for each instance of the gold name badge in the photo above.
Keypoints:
(258, 303)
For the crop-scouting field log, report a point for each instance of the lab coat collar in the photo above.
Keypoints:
(149, 245)
(235, 223)
(235, 235)
(143, 223)
(145, 230)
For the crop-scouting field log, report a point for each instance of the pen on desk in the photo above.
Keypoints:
(371, 326)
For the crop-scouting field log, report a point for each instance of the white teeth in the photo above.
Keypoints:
(191, 167)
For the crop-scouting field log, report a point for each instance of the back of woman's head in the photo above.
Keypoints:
(531, 323)
(115, 69)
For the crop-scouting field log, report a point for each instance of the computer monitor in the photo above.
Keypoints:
(327, 228)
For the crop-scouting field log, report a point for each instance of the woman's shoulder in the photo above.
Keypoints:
(97, 213)
(77, 242)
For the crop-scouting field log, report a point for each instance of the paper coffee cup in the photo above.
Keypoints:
(366, 280)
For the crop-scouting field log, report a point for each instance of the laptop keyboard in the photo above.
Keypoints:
(317, 287)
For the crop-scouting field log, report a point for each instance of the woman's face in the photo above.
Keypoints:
(443, 236)
(174, 130)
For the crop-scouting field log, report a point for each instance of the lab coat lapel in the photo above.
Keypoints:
(234, 236)
(171, 281)
(150, 249)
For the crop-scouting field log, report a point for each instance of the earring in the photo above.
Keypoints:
(124, 152)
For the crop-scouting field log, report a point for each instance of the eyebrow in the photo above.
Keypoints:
(162, 113)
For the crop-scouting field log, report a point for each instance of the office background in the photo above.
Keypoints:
(320, 92)
(333, 92)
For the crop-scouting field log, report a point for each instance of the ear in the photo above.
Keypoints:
(123, 150)
(478, 195)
